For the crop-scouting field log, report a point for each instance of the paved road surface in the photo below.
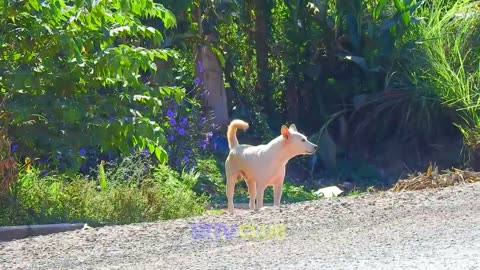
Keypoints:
(433, 229)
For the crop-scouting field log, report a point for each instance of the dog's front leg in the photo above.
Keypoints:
(277, 188)
(277, 194)
(260, 193)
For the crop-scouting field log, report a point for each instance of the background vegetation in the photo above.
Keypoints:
(115, 111)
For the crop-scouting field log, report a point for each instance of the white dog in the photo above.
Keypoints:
(262, 165)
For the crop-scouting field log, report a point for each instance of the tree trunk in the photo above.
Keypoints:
(261, 36)
(210, 73)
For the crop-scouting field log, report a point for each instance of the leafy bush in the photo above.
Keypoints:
(292, 193)
(132, 168)
(79, 77)
(211, 179)
(166, 194)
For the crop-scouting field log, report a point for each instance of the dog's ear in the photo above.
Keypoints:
(293, 127)
(285, 132)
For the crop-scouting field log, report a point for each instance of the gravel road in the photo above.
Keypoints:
(431, 229)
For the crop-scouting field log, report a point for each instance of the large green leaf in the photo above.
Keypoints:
(219, 55)
(379, 8)
(406, 18)
(399, 5)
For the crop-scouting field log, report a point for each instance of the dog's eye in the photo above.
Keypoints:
(303, 140)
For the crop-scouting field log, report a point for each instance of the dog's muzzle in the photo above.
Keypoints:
(314, 150)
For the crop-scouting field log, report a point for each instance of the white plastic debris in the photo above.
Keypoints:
(329, 192)
(86, 227)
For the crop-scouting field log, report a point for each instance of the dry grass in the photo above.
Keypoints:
(8, 166)
(432, 178)
(8, 173)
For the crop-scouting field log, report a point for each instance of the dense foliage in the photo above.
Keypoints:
(88, 83)
(162, 194)
(77, 77)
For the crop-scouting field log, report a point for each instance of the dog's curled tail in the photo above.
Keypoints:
(232, 131)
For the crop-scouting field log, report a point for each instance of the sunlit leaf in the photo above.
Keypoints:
(379, 8)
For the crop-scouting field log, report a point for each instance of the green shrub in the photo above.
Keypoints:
(293, 193)
(212, 174)
(447, 61)
(52, 199)
(78, 77)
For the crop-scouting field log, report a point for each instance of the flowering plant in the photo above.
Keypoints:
(190, 133)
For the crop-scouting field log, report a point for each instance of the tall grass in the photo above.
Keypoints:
(447, 61)
(164, 194)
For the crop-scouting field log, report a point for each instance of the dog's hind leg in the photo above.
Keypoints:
(252, 193)
(231, 178)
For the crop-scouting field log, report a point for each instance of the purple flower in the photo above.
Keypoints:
(146, 151)
(200, 66)
(84, 167)
(204, 144)
(184, 122)
(42, 161)
(203, 120)
(209, 135)
(82, 152)
(111, 118)
(197, 81)
(181, 131)
(172, 121)
(171, 138)
(14, 147)
(43, 172)
(170, 113)
(59, 156)
(185, 159)
(189, 152)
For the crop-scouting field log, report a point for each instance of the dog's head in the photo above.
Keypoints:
(296, 142)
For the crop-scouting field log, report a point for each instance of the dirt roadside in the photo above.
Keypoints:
(430, 229)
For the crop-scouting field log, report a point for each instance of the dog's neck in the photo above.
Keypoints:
(276, 150)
